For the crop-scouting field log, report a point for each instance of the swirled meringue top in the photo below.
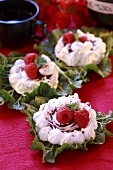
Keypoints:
(49, 129)
(81, 54)
(21, 83)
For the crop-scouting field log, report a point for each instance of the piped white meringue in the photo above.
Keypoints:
(21, 83)
(69, 133)
(81, 54)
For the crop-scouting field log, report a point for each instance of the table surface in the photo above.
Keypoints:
(15, 138)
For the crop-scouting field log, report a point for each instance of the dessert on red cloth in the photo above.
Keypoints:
(15, 138)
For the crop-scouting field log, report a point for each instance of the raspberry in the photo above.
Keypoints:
(64, 115)
(83, 39)
(31, 70)
(68, 37)
(81, 117)
(29, 58)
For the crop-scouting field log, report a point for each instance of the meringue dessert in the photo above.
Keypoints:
(81, 50)
(21, 82)
(65, 120)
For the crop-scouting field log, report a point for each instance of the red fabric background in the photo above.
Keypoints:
(15, 153)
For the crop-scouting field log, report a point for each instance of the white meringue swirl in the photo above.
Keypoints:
(49, 129)
(90, 52)
(21, 83)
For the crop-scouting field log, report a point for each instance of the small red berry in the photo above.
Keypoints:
(68, 37)
(31, 70)
(83, 39)
(81, 117)
(64, 115)
(29, 58)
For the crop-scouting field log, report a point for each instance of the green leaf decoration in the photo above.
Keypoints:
(6, 92)
(9, 95)
(16, 106)
(43, 90)
(6, 96)
(74, 77)
(38, 101)
(70, 78)
(104, 69)
(3, 71)
(54, 36)
(40, 61)
(50, 151)
(13, 56)
(105, 66)
(3, 59)
(5, 66)
(46, 49)
(100, 138)
(36, 145)
(73, 106)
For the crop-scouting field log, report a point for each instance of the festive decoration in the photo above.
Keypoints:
(61, 12)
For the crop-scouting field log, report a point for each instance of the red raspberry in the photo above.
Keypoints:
(68, 37)
(83, 39)
(64, 115)
(31, 70)
(81, 117)
(29, 58)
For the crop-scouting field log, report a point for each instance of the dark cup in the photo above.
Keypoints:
(18, 22)
(102, 12)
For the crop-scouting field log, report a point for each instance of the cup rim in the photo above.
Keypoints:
(25, 20)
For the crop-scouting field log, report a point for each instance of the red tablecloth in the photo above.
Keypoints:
(15, 140)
